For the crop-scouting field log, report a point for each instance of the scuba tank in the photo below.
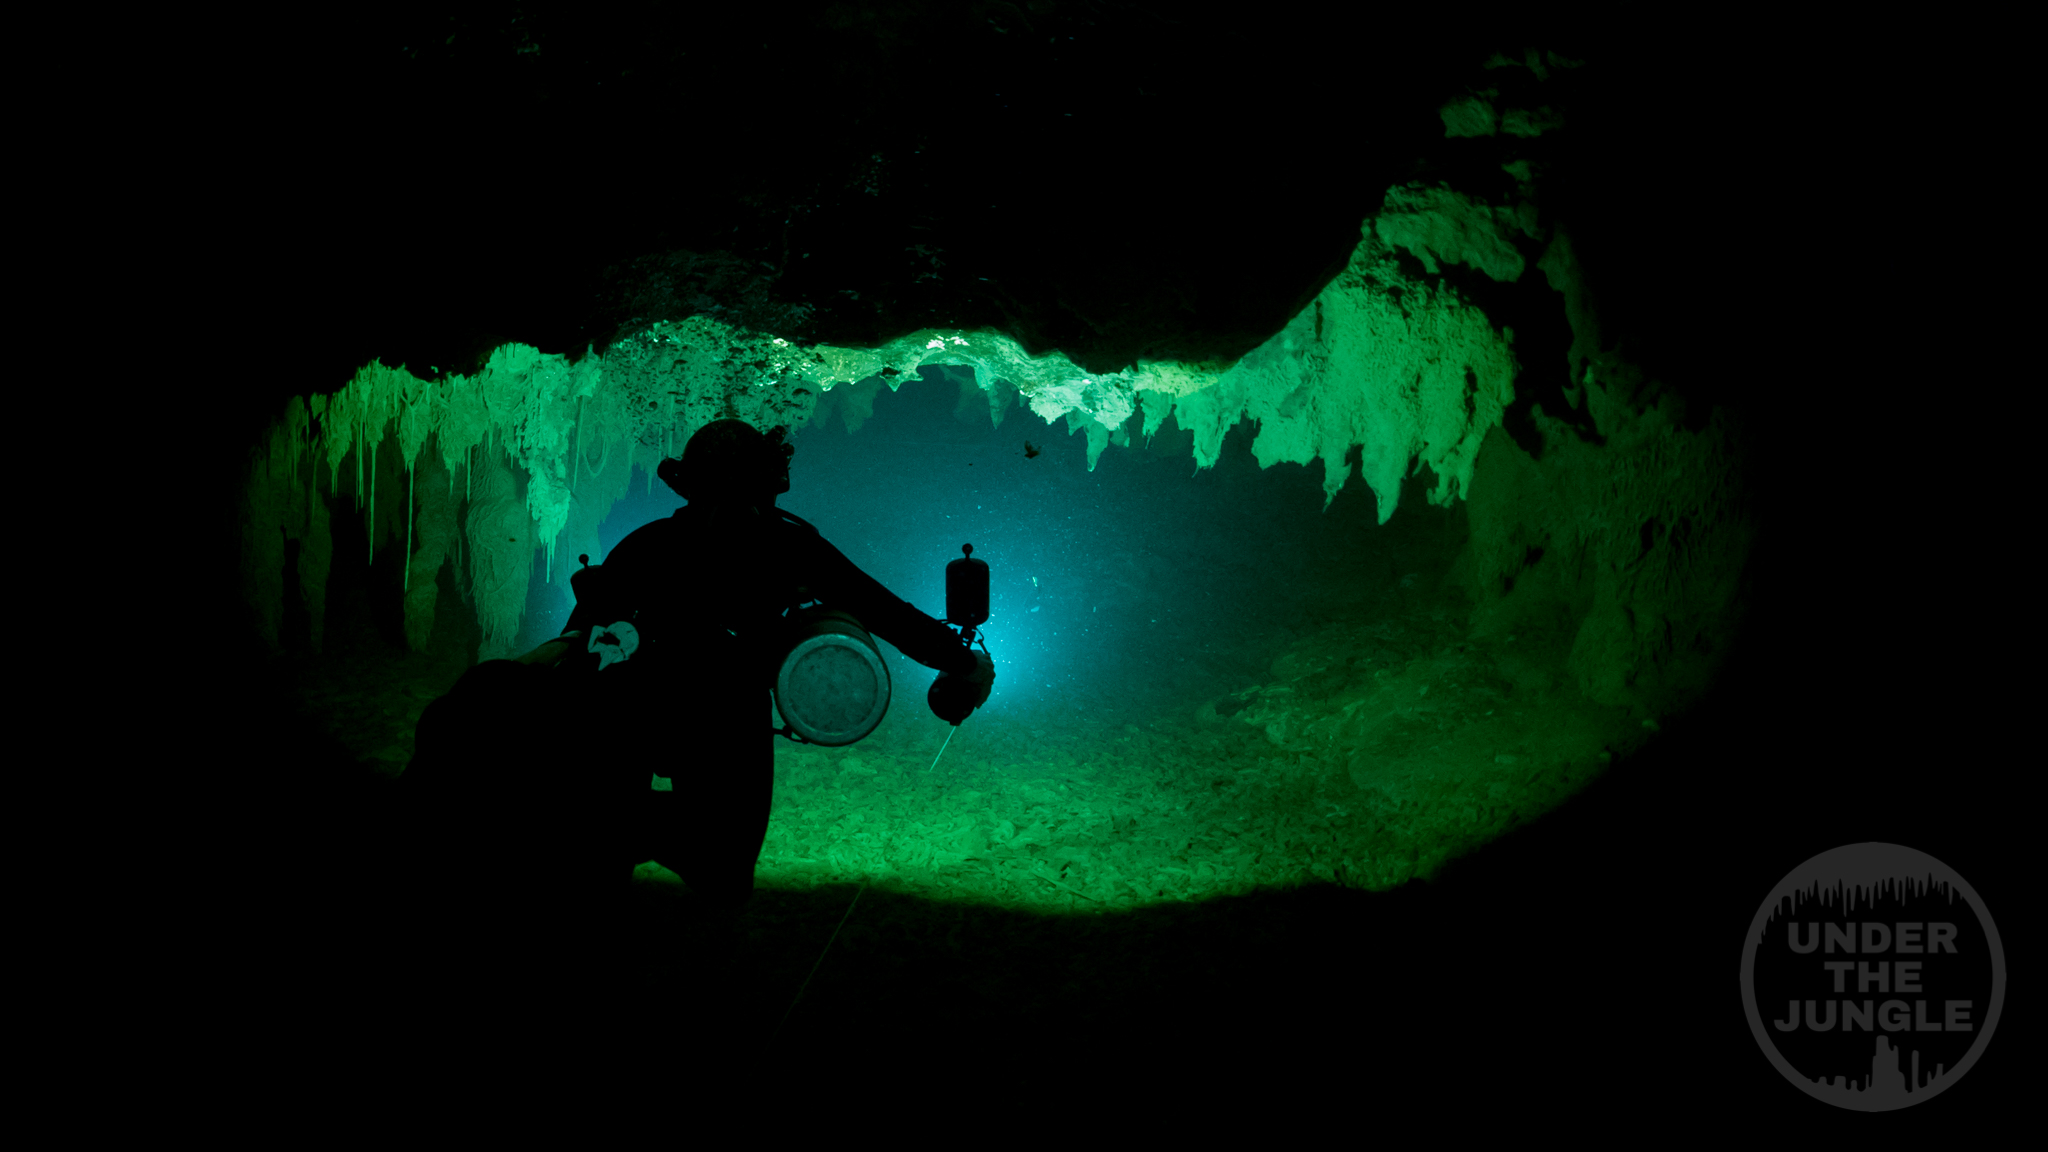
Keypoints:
(951, 697)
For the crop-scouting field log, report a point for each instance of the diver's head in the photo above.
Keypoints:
(730, 463)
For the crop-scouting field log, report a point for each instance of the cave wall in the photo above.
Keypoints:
(1622, 554)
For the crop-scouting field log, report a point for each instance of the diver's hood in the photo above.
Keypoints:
(730, 460)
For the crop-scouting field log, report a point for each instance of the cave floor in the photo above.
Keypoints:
(1163, 878)
(1375, 750)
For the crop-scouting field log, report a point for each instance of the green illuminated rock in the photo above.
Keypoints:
(1403, 371)
(1624, 555)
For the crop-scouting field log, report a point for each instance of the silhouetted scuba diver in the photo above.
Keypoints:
(661, 669)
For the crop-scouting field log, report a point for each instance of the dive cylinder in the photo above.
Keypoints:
(831, 686)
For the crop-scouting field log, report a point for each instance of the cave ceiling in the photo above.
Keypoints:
(1110, 181)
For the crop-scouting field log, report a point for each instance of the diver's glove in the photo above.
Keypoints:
(954, 698)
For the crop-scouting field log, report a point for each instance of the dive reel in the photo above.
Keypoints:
(831, 685)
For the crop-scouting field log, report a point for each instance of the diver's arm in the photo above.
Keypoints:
(839, 583)
(551, 653)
